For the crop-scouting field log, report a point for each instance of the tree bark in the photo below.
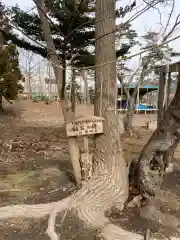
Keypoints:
(73, 147)
(168, 156)
(108, 152)
(153, 159)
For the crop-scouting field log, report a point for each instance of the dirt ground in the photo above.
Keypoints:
(35, 168)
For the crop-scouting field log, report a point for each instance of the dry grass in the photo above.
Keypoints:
(39, 165)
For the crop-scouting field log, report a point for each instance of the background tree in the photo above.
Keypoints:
(10, 73)
(73, 89)
(162, 54)
(72, 32)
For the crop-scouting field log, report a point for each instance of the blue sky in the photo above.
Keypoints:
(149, 20)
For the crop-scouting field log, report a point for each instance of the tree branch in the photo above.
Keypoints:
(152, 4)
(46, 16)
(41, 49)
(177, 22)
(170, 16)
(157, 9)
(132, 18)
(130, 80)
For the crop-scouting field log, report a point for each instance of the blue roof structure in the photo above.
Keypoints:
(143, 89)
(133, 85)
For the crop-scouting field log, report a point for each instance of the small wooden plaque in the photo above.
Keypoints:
(85, 126)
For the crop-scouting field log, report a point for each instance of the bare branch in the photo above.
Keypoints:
(177, 23)
(153, 3)
(157, 9)
(169, 19)
(130, 80)
(132, 18)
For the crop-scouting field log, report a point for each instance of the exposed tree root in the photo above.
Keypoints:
(32, 211)
(90, 203)
(99, 194)
(108, 230)
(106, 189)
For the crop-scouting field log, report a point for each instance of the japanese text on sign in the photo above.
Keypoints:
(84, 127)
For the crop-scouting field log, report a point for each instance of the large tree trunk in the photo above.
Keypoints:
(108, 146)
(153, 158)
(169, 155)
(108, 186)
